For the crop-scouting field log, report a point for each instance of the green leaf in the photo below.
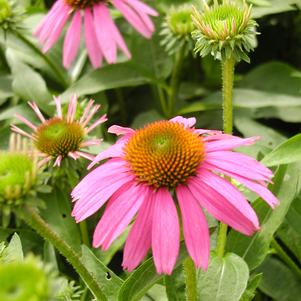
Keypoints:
(250, 292)
(279, 282)
(107, 280)
(142, 279)
(259, 103)
(5, 88)
(28, 84)
(58, 216)
(175, 285)
(290, 230)
(225, 280)
(255, 248)
(105, 78)
(275, 77)
(287, 152)
(13, 252)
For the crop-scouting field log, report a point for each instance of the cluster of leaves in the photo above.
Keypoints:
(267, 102)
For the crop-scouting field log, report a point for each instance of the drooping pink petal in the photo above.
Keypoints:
(187, 122)
(46, 25)
(36, 109)
(58, 161)
(231, 193)
(26, 121)
(140, 6)
(85, 155)
(119, 214)
(165, 232)
(57, 28)
(72, 108)
(240, 164)
(260, 189)
(228, 144)
(94, 51)
(120, 130)
(72, 40)
(139, 239)
(221, 208)
(90, 115)
(86, 206)
(195, 228)
(16, 129)
(90, 142)
(97, 187)
(103, 28)
(58, 107)
(99, 121)
(86, 111)
(97, 175)
(119, 39)
(52, 12)
(133, 18)
(116, 150)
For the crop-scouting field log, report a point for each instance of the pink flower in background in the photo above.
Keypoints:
(62, 136)
(102, 37)
(148, 168)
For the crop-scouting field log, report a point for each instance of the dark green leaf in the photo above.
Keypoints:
(107, 280)
(142, 279)
(225, 280)
(255, 248)
(279, 282)
(287, 152)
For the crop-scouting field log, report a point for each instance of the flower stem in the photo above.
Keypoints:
(228, 79)
(84, 233)
(175, 78)
(282, 254)
(51, 65)
(33, 219)
(191, 280)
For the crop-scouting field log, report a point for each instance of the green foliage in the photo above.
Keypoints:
(267, 103)
(225, 280)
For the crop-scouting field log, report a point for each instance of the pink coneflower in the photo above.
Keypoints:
(149, 169)
(102, 37)
(62, 136)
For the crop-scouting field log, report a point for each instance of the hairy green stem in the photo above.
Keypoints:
(34, 220)
(228, 80)
(191, 280)
(52, 66)
(282, 254)
(84, 233)
(175, 79)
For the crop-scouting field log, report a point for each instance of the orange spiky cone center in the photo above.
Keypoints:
(164, 153)
(57, 137)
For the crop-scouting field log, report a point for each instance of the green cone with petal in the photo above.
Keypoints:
(177, 28)
(225, 30)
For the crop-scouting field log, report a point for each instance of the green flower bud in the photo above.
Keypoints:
(5, 10)
(10, 14)
(177, 28)
(22, 281)
(18, 171)
(225, 30)
(30, 279)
